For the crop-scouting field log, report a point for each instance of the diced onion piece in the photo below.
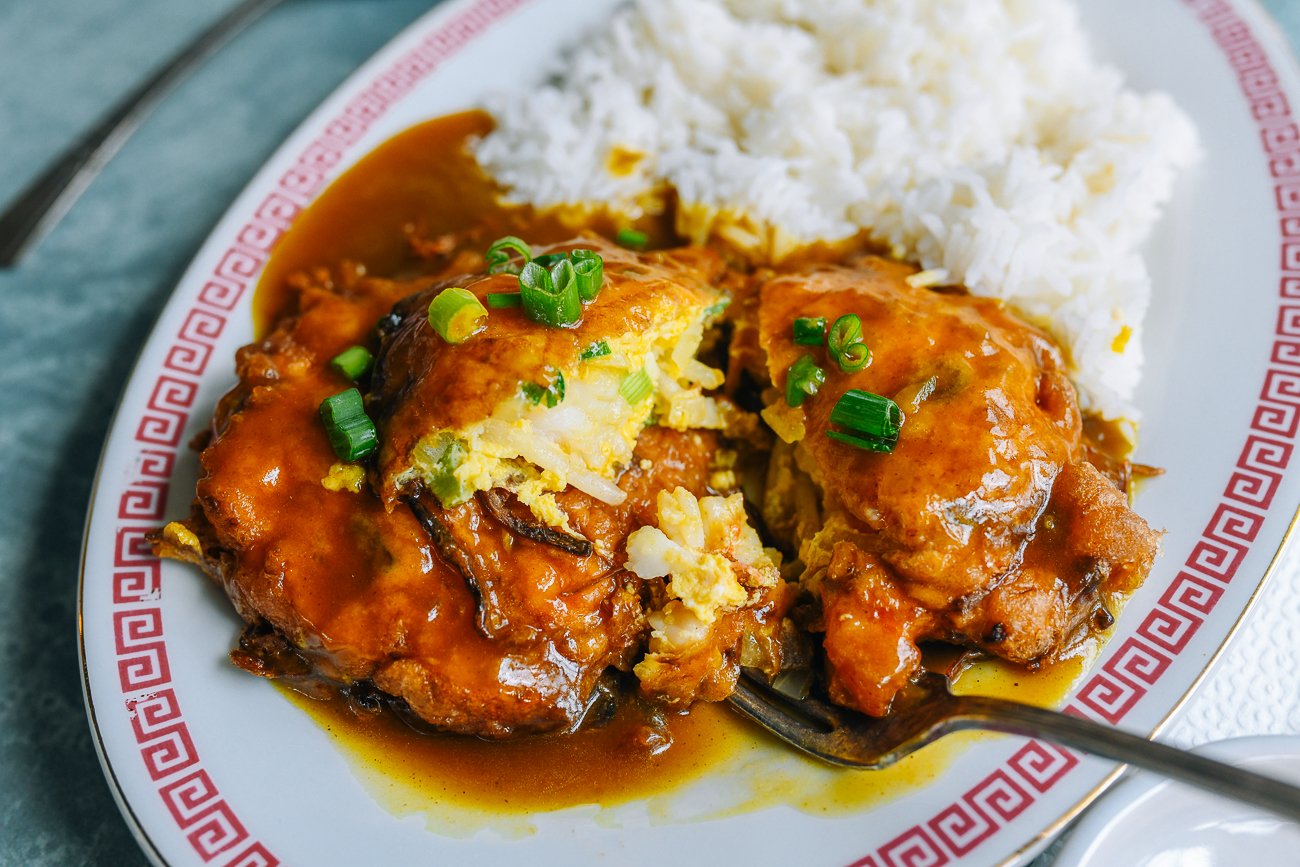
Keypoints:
(794, 682)
(927, 278)
(785, 421)
(543, 453)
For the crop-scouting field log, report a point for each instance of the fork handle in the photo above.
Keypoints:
(46, 199)
(991, 714)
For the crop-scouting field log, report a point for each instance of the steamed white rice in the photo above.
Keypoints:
(976, 137)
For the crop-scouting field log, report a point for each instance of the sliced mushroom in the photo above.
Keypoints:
(497, 506)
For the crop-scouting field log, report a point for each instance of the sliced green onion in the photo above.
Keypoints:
(716, 307)
(804, 378)
(598, 349)
(445, 457)
(855, 357)
(548, 259)
(351, 433)
(590, 268)
(457, 315)
(864, 412)
(502, 300)
(499, 254)
(809, 331)
(845, 345)
(555, 391)
(565, 278)
(552, 394)
(632, 239)
(353, 362)
(846, 330)
(544, 301)
(873, 421)
(862, 441)
(636, 387)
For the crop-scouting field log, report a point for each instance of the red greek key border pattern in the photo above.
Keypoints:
(1131, 668)
(164, 740)
(166, 748)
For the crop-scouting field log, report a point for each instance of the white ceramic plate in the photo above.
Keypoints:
(1146, 821)
(212, 766)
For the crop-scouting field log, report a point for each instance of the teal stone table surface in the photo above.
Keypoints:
(73, 315)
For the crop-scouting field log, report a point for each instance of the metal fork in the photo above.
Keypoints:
(844, 737)
(46, 199)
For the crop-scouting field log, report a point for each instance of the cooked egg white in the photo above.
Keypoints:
(344, 477)
(707, 548)
(587, 438)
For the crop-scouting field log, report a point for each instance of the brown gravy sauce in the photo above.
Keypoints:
(423, 183)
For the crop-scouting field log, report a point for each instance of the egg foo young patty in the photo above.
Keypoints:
(532, 409)
(498, 609)
(986, 525)
(534, 508)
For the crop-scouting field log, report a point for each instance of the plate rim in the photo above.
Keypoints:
(1279, 51)
(1140, 783)
(1263, 27)
(448, 9)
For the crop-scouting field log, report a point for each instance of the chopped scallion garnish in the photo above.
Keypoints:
(845, 345)
(547, 302)
(457, 315)
(632, 239)
(565, 278)
(862, 441)
(636, 387)
(598, 349)
(551, 394)
(809, 331)
(590, 268)
(499, 254)
(872, 421)
(717, 307)
(502, 300)
(353, 362)
(351, 433)
(445, 457)
(587, 267)
(549, 259)
(803, 379)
